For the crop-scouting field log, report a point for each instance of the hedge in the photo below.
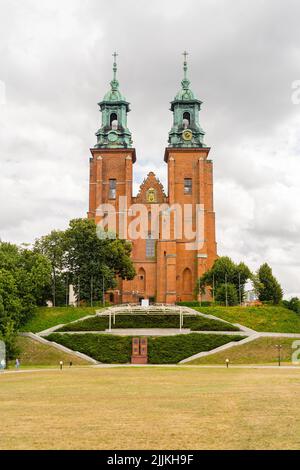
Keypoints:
(195, 303)
(195, 323)
(161, 349)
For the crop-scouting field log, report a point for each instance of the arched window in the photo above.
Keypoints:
(186, 120)
(113, 121)
(187, 281)
(141, 280)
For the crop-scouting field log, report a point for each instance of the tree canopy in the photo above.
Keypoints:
(91, 263)
(24, 275)
(225, 272)
(267, 286)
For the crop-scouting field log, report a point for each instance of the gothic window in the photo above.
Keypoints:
(112, 189)
(187, 185)
(150, 247)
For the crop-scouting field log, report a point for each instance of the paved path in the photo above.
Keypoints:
(170, 366)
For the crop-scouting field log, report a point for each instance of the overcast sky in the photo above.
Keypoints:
(55, 65)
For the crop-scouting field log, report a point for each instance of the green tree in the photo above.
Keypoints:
(292, 304)
(225, 271)
(93, 261)
(269, 289)
(53, 247)
(8, 334)
(227, 294)
(23, 276)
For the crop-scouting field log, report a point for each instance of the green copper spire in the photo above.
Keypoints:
(185, 93)
(114, 108)
(186, 130)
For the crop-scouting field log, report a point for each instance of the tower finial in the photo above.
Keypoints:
(115, 55)
(185, 81)
(185, 54)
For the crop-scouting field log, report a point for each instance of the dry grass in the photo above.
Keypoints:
(259, 351)
(150, 408)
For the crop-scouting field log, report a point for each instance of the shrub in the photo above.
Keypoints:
(173, 349)
(194, 303)
(195, 323)
(292, 304)
(161, 350)
(104, 348)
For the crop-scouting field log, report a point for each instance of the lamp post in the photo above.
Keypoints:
(240, 290)
(92, 288)
(200, 294)
(279, 348)
(103, 292)
(226, 294)
(67, 290)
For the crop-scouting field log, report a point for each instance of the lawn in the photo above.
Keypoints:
(266, 318)
(45, 317)
(150, 408)
(33, 353)
(194, 322)
(259, 351)
(113, 349)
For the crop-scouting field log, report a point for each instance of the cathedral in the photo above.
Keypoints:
(167, 262)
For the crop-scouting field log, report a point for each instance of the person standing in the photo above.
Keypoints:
(17, 364)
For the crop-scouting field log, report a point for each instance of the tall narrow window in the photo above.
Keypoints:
(150, 247)
(186, 120)
(187, 185)
(112, 189)
(113, 120)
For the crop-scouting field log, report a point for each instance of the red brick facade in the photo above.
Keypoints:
(171, 272)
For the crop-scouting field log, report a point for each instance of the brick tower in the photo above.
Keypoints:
(167, 266)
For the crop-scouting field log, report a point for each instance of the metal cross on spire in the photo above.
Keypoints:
(115, 55)
(185, 54)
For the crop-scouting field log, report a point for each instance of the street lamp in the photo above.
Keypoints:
(279, 348)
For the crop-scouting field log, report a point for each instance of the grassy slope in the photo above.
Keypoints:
(47, 317)
(267, 318)
(196, 323)
(145, 408)
(259, 351)
(162, 350)
(33, 353)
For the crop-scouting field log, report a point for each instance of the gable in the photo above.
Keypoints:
(151, 191)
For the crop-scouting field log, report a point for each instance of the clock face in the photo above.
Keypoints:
(112, 137)
(187, 134)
